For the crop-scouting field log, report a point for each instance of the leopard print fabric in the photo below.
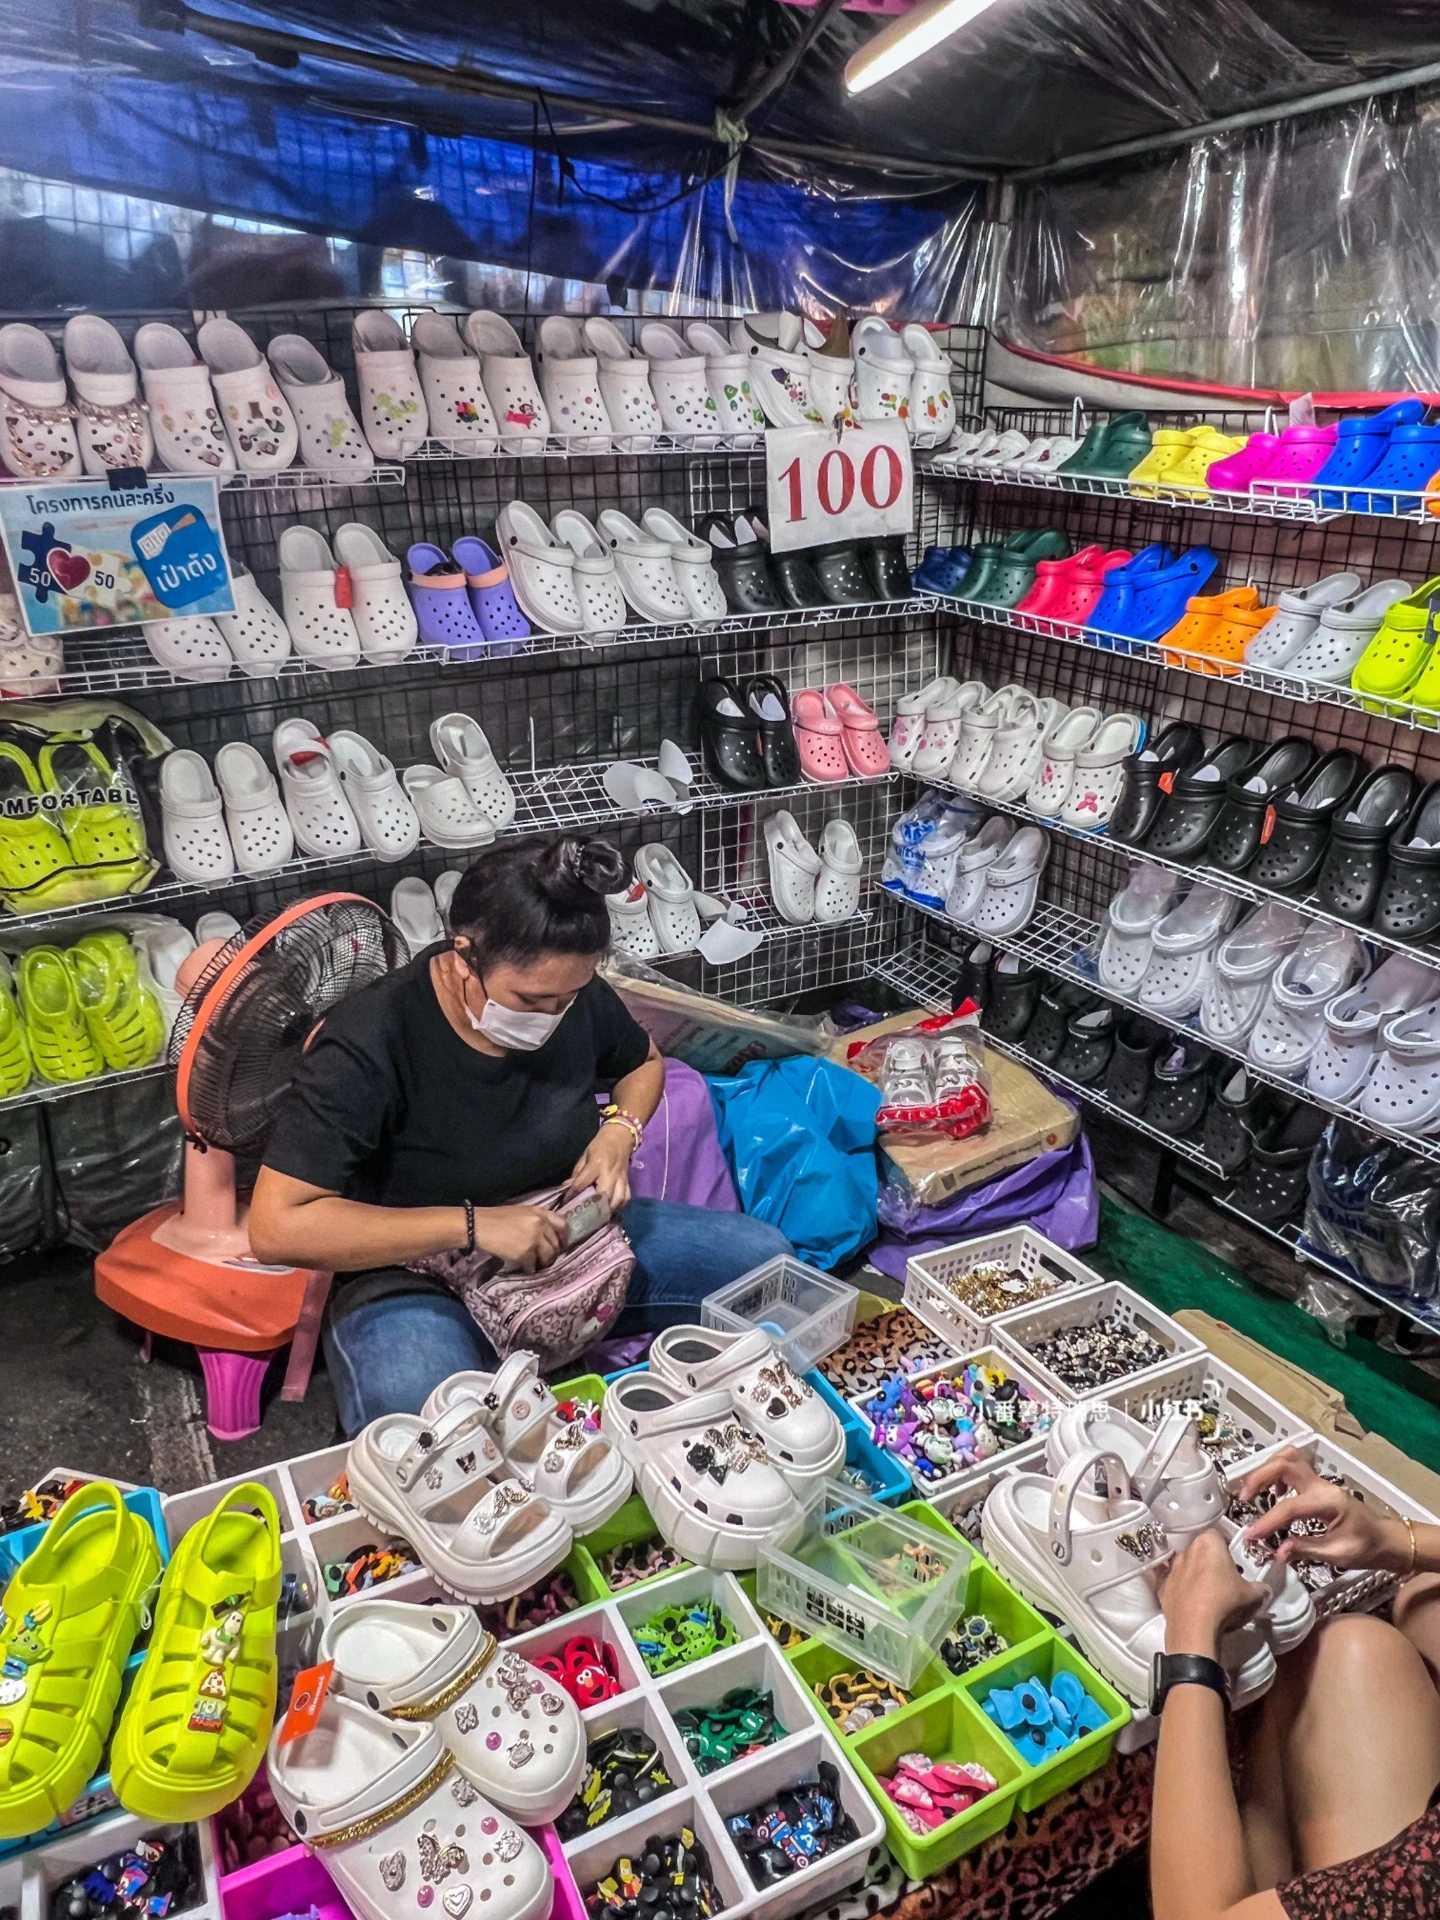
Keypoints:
(891, 1343)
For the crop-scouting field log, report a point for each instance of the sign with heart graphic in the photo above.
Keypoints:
(85, 554)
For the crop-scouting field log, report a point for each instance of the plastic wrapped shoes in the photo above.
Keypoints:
(1403, 1091)
(1342, 1062)
(1185, 942)
(1245, 963)
(1292, 1019)
(1127, 950)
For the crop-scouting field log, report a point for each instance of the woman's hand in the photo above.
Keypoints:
(1352, 1535)
(523, 1237)
(1204, 1595)
(605, 1165)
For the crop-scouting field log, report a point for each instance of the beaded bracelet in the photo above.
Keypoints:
(617, 1116)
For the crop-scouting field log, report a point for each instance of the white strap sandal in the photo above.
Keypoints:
(197, 847)
(37, 423)
(385, 623)
(323, 819)
(1344, 631)
(941, 748)
(594, 577)
(1012, 885)
(677, 379)
(192, 648)
(1100, 772)
(631, 929)
(1342, 1062)
(1131, 918)
(794, 869)
(1169, 1469)
(932, 404)
(111, 425)
(257, 637)
(909, 722)
(625, 386)
(779, 367)
(1292, 1019)
(542, 570)
(416, 912)
(884, 371)
(802, 1436)
(1070, 734)
(317, 600)
(1403, 1091)
(382, 1804)
(690, 559)
(392, 403)
(458, 406)
(184, 413)
(576, 1471)
(1016, 748)
(448, 816)
(670, 895)
(515, 397)
(1185, 941)
(330, 438)
(973, 861)
(1295, 619)
(1000, 449)
(707, 1479)
(737, 412)
(255, 817)
(570, 381)
(263, 434)
(388, 821)
(459, 744)
(646, 569)
(837, 892)
(426, 1481)
(514, 1734)
(1244, 962)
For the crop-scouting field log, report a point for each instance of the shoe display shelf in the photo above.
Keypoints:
(1017, 1250)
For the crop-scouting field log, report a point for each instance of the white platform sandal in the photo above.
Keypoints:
(1350, 1042)
(670, 894)
(678, 381)
(459, 744)
(794, 869)
(802, 1436)
(737, 412)
(1292, 1018)
(184, 413)
(542, 570)
(257, 637)
(1131, 919)
(515, 397)
(646, 568)
(594, 577)
(1245, 963)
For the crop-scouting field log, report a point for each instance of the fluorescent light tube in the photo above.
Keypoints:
(907, 39)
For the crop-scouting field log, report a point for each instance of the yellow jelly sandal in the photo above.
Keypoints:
(99, 816)
(34, 853)
(17, 1069)
(71, 1615)
(60, 1042)
(1400, 651)
(194, 1728)
(124, 1017)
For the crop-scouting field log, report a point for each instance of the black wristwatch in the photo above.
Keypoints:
(1185, 1670)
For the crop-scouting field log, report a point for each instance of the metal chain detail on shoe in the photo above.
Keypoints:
(437, 1703)
(372, 1822)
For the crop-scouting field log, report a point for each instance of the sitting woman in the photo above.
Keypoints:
(1339, 1812)
(457, 1083)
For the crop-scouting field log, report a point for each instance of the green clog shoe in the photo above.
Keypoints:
(60, 1042)
(1112, 447)
(1399, 655)
(71, 1615)
(1013, 573)
(124, 1017)
(17, 1069)
(202, 1707)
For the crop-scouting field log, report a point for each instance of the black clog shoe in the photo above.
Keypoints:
(1409, 903)
(1239, 1106)
(1275, 1180)
(1189, 812)
(1249, 793)
(767, 703)
(1089, 1043)
(1046, 1035)
(1305, 814)
(1180, 1090)
(1355, 860)
(973, 980)
(729, 736)
(889, 570)
(1131, 1072)
(1014, 998)
(842, 574)
(1175, 750)
(742, 564)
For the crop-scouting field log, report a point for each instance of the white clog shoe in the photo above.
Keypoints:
(416, 912)
(691, 560)
(385, 623)
(1017, 746)
(192, 647)
(794, 869)
(646, 569)
(542, 570)
(456, 402)
(1288, 1614)
(631, 929)
(323, 820)
(263, 433)
(438, 1665)
(1292, 1019)
(1169, 1469)
(389, 824)
(429, 1482)
(576, 1471)
(624, 386)
(1185, 941)
(316, 600)
(832, 378)
(1099, 772)
(884, 371)
(37, 423)
(1050, 789)
(979, 722)
(1000, 450)
(1131, 919)
(1295, 620)
(255, 634)
(458, 742)
(1343, 632)
(570, 382)
(255, 816)
(112, 426)
(779, 367)
(678, 381)
(1012, 885)
(802, 1436)
(670, 897)
(973, 860)
(1245, 961)
(837, 891)
(515, 397)
(192, 815)
(185, 418)
(909, 721)
(932, 404)
(939, 744)
(1342, 1062)
(594, 577)
(738, 414)
(393, 412)
(330, 438)
(383, 1804)
(708, 1480)
(448, 816)
(1403, 1091)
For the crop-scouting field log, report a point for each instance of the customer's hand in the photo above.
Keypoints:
(523, 1237)
(1204, 1595)
(605, 1165)
(1351, 1534)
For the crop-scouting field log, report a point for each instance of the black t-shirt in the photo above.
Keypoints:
(392, 1107)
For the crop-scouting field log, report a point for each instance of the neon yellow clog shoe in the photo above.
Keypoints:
(34, 853)
(1206, 445)
(60, 1042)
(17, 1069)
(1397, 660)
(124, 1017)
(104, 833)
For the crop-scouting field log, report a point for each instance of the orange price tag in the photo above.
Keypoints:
(307, 1697)
(1166, 782)
(1268, 828)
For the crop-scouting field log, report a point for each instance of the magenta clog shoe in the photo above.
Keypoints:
(1290, 471)
(1234, 473)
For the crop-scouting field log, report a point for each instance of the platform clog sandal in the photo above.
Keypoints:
(1300, 453)
(1159, 595)
(1191, 641)
(1400, 651)
(1292, 1020)
(1343, 633)
(1233, 472)
(72, 1612)
(1350, 1042)
(1245, 963)
(1131, 918)
(1146, 777)
(1112, 448)
(1189, 811)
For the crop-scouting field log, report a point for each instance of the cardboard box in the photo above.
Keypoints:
(707, 1034)
(1028, 1119)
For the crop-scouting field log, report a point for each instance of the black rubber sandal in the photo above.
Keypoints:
(1291, 858)
(1354, 864)
(1409, 902)
(973, 980)
(1249, 794)
(1014, 997)
(1177, 749)
(1131, 1072)
(887, 566)
(1189, 812)
(729, 736)
(1273, 1186)
(767, 706)
(1089, 1043)
(1181, 1087)
(742, 564)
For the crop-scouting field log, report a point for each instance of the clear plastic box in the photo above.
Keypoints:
(869, 1582)
(807, 1312)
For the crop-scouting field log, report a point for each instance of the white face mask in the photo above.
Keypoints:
(511, 1027)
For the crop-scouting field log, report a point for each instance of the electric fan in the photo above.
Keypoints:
(186, 1271)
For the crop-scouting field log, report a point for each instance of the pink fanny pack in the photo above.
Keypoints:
(555, 1313)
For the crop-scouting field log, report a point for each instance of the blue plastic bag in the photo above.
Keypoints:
(799, 1135)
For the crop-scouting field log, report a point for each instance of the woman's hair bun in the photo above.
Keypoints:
(578, 873)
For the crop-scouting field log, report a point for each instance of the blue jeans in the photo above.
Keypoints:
(387, 1355)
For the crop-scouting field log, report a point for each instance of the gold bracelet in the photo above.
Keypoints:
(624, 1120)
(1414, 1551)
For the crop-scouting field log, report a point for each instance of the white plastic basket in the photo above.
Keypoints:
(928, 1487)
(1264, 1423)
(1016, 1333)
(928, 1293)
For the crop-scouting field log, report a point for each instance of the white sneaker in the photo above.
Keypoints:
(255, 634)
(459, 744)
(1342, 1062)
(932, 405)
(670, 897)
(323, 820)
(625, 388)
(255, 817)
(184, 413)
(794, 869)
(448, 816)
(331, 442)
(393, 412)
(1050, 789)
(884, 371)
(451, 380)
(112, 427)
(317, 610)
(737, 411)
(385, 624)
(570, 381)
(1099, 772)
(837, 892)
(416, 912)
(509, 379)
(262, 429)
(192, 648)
(197, 847)
(387, 818)
(678, 381)
(37, 426)
(594, 577)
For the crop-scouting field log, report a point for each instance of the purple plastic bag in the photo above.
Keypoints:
(1056, 1193)
(680, 1157)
